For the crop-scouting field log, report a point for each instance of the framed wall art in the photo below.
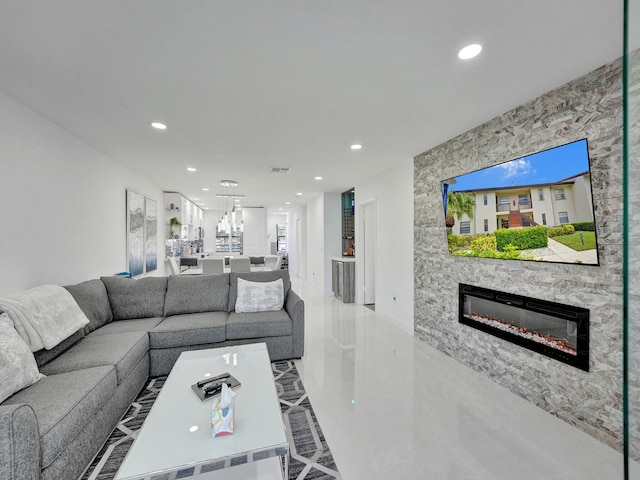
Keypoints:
(151, 234)
(135, 232)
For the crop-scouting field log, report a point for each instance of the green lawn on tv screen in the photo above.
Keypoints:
(573, 240)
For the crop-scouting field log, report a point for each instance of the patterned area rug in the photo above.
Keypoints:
(310, 457)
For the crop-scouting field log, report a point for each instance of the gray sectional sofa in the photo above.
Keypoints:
(137, 328)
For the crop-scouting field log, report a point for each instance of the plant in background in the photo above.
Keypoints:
(522, 238)
(173, 223)
(483, 244)
(458, 205)
(566, 229)
(584, 226)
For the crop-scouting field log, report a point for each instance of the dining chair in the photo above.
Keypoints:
(212, 266)
(270, 262)
(240, 264)
(173, 266)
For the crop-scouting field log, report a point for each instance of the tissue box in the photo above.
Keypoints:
(222, 421)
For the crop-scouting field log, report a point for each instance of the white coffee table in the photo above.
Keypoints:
(175, 439)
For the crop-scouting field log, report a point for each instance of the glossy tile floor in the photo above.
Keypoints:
(392, 407)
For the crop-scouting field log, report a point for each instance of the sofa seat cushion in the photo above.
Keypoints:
(122, 350)
(137, 325)
(190, 329)
(258, 325)
(64, 404)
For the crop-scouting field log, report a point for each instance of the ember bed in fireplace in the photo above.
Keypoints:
(553, 329)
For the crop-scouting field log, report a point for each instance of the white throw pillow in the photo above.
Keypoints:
(259, 296)
(18, 368)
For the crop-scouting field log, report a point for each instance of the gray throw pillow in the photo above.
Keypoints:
(197, 293)
(18, 367)
(259, 296)
(130, 298)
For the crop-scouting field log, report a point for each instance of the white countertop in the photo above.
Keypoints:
(344, 259)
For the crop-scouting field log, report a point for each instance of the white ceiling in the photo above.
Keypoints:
(248, 85)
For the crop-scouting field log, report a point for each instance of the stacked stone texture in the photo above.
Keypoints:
(589, 107)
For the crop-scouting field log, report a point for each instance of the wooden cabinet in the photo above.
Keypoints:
(348, 221)
(343, 279)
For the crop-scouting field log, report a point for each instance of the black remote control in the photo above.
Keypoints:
(204, 382)
(213, 388)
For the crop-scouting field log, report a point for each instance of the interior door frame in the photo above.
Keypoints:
(360, 251)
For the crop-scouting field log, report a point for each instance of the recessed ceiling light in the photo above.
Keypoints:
(202, 204)
(287, 203)
(469, 51)
(356, 147)
(298, 194)
(159, 126)
(317, 178)
(280, 209)
(196, 199)
(191, 169)
(237, 200)
(205, 189)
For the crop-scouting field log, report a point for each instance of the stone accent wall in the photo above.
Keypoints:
(590, 107)
(633, 229)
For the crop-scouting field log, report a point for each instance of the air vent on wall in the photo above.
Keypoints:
(280, 169)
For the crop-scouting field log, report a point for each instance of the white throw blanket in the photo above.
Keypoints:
(43, 316)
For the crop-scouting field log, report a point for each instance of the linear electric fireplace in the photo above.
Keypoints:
(553, 329)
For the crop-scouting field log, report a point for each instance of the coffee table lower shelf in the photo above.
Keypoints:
(269, 469)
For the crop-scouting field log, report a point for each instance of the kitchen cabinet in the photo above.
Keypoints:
(343, 278)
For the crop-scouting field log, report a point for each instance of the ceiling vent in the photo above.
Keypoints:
(280, 169)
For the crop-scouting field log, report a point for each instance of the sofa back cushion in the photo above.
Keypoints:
(267, 276)
(196, 294)
(91, 297)
(130, 298)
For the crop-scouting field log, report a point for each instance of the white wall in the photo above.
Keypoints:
(332, 235)
(210, 222)
(315, 242)
(393, 193)
(323, 239)
(254, 237)
(63, 205)
(298, 241)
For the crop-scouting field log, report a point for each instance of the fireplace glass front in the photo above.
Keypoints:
(553, 329)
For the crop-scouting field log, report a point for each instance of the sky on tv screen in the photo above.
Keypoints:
(543, 167)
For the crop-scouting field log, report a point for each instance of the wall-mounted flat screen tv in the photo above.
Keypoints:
(537, 208)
